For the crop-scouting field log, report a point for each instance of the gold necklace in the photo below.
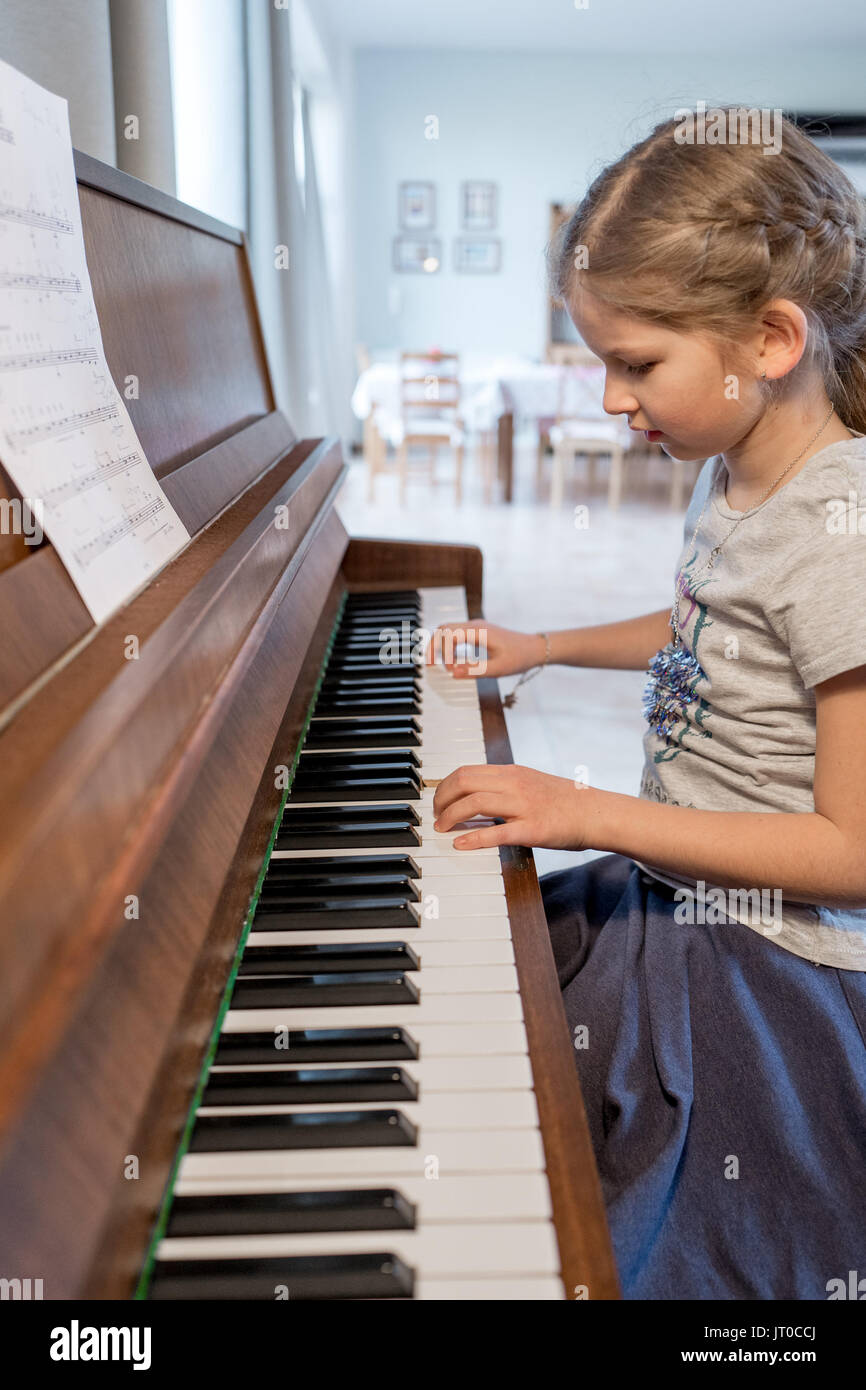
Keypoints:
(675, 671)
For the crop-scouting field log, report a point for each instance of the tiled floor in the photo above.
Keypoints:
(541, 572)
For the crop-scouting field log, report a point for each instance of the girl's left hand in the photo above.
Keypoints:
(537, 808)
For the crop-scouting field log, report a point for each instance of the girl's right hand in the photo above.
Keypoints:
(507, 652)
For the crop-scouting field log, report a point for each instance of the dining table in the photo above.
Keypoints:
(495, 391)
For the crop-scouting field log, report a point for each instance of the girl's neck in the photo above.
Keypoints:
(778, 437)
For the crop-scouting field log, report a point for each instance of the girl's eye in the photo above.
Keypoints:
(640, 370)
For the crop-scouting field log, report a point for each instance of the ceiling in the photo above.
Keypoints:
(624, 26)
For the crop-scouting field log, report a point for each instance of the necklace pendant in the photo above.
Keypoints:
(674, 673)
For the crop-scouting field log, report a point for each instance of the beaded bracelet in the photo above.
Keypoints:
(511, 699)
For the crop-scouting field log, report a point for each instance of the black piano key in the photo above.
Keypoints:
(304, 1277)
(333, 914)
(342, 833)
(349, 759)
(315, 1086)
(357, 669)
(281, 885)
(355, 706)
(357, 815)
(370, 639)
(316, 1045)
(363, 733)
(322, 957)
(387, 680)
(325, 869)
(356, 988)
(369, 598)
(318, 1129)
(290, 1213)
(355, 789)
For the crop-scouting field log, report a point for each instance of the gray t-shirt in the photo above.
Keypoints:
(782, 609)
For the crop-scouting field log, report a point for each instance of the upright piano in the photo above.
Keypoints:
(265, 1033)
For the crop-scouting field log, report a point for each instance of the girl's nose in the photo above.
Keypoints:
(618, 400)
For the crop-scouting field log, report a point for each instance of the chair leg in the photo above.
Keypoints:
(488, 463)
(458, 455)
(614, 493)
(543, 439)
(677, 467)
(557, 478)
(402, 470)
(370, 454)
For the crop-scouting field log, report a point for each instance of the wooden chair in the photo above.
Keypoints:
(572, 435)
(374, 449)
(429, 413)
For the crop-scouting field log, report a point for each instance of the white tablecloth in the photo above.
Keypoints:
(490, 388)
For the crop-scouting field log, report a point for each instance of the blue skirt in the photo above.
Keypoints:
(725, 1086)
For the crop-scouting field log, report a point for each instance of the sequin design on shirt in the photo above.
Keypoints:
(674, 677)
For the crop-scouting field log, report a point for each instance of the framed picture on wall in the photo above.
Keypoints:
(417, 254)
(478, 201)
(477, 255)
(417, 206)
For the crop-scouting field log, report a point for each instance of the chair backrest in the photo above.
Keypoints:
(572, 377)
(429, 384)
(571, 355)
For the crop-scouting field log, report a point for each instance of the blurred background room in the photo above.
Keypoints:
(399, 169)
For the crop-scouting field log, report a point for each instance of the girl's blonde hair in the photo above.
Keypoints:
(699, 238)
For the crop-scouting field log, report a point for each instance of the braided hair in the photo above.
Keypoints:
(700, 237)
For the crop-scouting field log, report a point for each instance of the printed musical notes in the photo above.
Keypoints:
(66, 438)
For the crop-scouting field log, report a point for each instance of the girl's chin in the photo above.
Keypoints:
(681, 452)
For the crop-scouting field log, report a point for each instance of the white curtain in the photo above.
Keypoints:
(66, 48)
(275, 217)
(329, 399)
(142, 91)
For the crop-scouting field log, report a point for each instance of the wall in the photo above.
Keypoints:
(541, 126)
(66, 48)
(208, 95)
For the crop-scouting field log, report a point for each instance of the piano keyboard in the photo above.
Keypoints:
(369, 1127)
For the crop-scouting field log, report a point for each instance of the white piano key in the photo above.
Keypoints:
(471, 905)
(448, 1153)
(457, 1040)
(438, 1009)
(463, 1073)
(437, 1109)
(438, 954)
(459, 885)
(467, 979)
(479, 1248)
(488, 1290)
(451, 928)
(473, 1197)
(427, 855)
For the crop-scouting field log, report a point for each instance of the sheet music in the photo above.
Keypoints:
(66, 438)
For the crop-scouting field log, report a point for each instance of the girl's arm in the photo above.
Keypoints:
(813, 857)
(623, 646)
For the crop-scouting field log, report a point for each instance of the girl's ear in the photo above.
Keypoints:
(784, 334)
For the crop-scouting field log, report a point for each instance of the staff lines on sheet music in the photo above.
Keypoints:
(11, 280)
(32, 217)
(112, 534)
(53, 429)
(73, 487)
(23, 361)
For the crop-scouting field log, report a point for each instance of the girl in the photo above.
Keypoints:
(716, 955)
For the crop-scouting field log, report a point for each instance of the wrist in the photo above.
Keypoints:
(592, 806)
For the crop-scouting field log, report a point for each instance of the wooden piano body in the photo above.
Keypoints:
(138, 792)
